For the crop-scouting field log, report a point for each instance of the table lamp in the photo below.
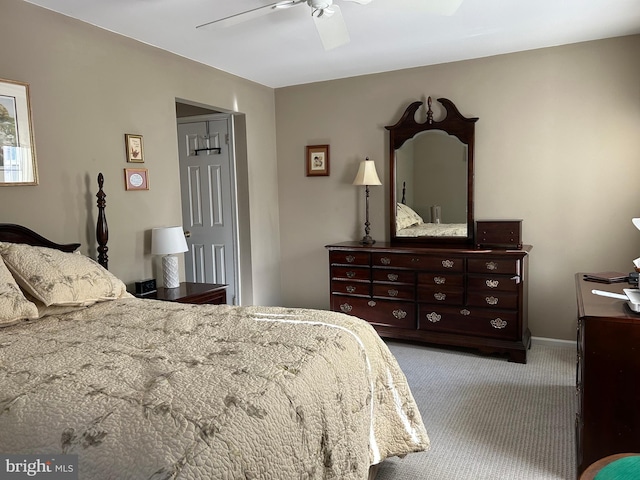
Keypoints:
(366, 176)
(168, 241)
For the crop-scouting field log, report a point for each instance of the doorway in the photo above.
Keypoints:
(208, 189)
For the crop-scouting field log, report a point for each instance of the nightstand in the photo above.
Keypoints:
(189, 292)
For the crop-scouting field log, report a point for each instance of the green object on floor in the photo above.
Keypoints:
(627, 468)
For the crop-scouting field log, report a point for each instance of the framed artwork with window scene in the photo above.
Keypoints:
(317, 160)
(17, 148)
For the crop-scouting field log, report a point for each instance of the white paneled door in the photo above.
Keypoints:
(208, 200)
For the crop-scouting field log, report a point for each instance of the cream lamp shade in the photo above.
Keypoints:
(168, 241)
(366, 176)
(636, 222)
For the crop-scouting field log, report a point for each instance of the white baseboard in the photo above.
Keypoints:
(553, 342)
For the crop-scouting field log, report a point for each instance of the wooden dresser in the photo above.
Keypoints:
(448, 296)
(608, 375)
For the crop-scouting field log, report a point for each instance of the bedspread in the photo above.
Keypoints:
(144, 389)
(434, 230)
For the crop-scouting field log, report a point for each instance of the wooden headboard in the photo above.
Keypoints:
(13, 233)
(10, 232)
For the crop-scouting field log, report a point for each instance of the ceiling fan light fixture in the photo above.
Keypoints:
(320, 4)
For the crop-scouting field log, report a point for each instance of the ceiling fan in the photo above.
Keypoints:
(327, 16)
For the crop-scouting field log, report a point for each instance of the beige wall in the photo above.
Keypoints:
(557, 145)
(88, 88)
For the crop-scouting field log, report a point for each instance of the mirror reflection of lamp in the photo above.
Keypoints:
(168, 241)
(366, 176)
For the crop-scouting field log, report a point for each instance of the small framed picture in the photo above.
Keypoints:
(317, 160)
(17, 148)
(136, 179)
(133, 143)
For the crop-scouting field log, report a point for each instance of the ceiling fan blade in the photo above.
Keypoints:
(251, 14)
(331, 28)
(361, 2)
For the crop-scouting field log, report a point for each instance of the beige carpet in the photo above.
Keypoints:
(489, 419)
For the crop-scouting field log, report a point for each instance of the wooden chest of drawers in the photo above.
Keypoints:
(608, 369)
(459, 297)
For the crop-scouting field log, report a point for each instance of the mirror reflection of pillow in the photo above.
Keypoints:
(406, 217)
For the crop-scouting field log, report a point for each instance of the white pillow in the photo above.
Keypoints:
(406, 217)
(60, 278)
(13, 304)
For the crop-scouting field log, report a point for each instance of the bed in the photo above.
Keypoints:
(434, 230)
(145, 389)
(410, 224)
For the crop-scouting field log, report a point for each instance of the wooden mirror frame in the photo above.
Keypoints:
(453, 123)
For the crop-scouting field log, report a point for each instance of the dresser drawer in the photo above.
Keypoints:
(349, 258)
(436, 263)
(489, 283)
(503, 300)
(441, 280)
(468, 321)
(351, 273)
(377, 312)
(443, 295)
(393, 276)
(350, 287)
(500, 266)
(404, 292)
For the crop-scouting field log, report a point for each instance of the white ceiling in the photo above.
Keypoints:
(283, 48)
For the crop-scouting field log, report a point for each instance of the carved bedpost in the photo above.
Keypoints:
(102, 230)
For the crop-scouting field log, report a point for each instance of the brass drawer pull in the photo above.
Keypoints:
(399, 314)
(498, 323)
(491, 265)
(392, 292)
(392, 276)
(491, 300)
(350, 258)
(385, 261)
(434, 317)
(465, 312)
(371, 303)
(346, 308)
(351, 274)
(448, 263)
(439, 280)
(492, 283)
(440, 296)
(350, 289)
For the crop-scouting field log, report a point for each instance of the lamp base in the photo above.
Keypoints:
(367, 240)
(170, 273)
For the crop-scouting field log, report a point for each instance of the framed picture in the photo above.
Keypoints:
(136, 179)
(317, 160)
(135, 154)
(17, 149)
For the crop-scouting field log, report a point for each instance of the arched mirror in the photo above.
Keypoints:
(432, 177)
